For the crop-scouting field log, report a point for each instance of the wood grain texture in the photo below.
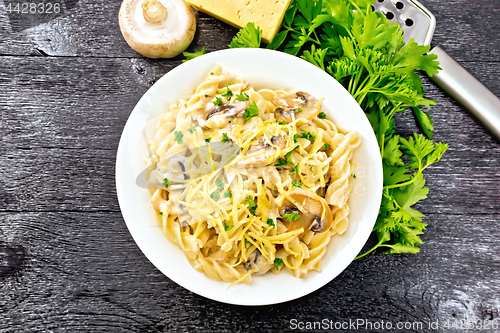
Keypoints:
(467, 29)
(68, 263)
(90, 276)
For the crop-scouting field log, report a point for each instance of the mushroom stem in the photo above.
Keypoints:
(153, 11)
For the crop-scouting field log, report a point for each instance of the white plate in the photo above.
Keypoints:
(261, 68)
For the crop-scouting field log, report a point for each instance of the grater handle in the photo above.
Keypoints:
(466, 89)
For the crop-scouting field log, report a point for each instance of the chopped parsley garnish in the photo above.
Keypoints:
(311, 168)
(252, 206)
(281, 122)
(297, 183)
(228, 194)
(218, 101)
(208, 140)
(291, 216)
(281, 162)
(246, 242)
(326, 146)
(228, 93)
(286, 160)
(353, 176)
(295, 169)
(192, 129)
(270, 222)
(277, 263)
(322, 115)
(211, 73)
(161, 213)
(227, 227)
(178, 137)
(251, 111)
(242, 97)
(166, 182)
(295, 138)
(215, 196)
(219, 183)
(225, 138)
(193, 55)
(307, 135)
(299, 110)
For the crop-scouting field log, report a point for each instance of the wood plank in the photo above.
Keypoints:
(82, 271)
(466, 29)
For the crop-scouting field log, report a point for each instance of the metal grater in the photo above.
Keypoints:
(417, 22)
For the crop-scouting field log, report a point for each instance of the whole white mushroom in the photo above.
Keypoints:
(157, 28)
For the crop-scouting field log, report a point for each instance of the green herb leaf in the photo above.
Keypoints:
(225, 138)
(207, 140)
(295, 138)
(291, 216)
(271, 222)
(192, 129)
(322, 115)
(249, 36)
(193, 55)
(251, 111)
(252, 206)
(178, 137)
(227, 227)
(228, 93)
(307, 135)
(215, 196)
(218, 101)
(277, 263)
(326, 146)
(242, 97)
(297, 183)
(166, 182)
(228, 194)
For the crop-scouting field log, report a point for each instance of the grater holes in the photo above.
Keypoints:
(399, 5)
(409, 22)
(389, 15)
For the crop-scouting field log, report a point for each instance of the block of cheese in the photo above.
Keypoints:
(266, 14)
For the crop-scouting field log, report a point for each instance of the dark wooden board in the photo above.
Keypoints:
(467, 29)
(90, 276)
(68, 263)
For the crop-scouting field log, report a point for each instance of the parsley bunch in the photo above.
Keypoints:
(366, 53)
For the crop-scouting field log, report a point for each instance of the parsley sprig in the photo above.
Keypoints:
(366, 53)
(193, 55)
(242, 96)
(249, 36)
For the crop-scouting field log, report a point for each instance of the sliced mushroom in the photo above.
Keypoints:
(218, 116)
(314, 212)
(287, 106)
(258, 263)
(279, 141)
(157, 29)
(227, 110)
